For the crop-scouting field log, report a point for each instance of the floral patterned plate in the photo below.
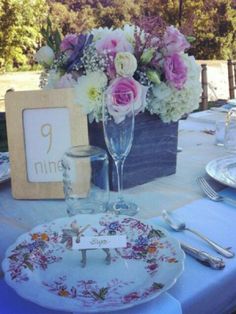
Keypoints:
(4, 167)
(42, 268)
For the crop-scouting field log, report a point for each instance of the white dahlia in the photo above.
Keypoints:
(89, 90)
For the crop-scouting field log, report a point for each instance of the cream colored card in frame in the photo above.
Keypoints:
(41, 126)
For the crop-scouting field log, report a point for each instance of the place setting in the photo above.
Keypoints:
(142, 266)
(223, 169)
(99, 258)
(105, 183)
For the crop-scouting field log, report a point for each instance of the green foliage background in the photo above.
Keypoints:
(211, 22)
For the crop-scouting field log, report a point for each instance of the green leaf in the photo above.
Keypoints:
(57, 40)
(44, 33)
(156, 233)
(153, 76)
(13, 257)
(49, 24)
(191, 39)
(157, 286)
(29, 265)
(147, 56)
(101, 294)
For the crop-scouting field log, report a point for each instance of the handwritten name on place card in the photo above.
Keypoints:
(100, 242)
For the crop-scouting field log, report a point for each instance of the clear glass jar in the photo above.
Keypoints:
(85, 179)
(230, 131)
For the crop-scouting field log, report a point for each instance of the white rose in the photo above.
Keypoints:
(45, 55)
(125, 64)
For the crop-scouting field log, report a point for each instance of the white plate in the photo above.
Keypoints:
(4, 167)
(222, 169)
(41, 269)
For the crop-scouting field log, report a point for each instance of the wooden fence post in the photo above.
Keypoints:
(204, 103)
(231, 76)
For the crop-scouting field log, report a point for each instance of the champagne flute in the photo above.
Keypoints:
(118, 127)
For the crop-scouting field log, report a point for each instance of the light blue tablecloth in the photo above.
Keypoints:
(199, 290)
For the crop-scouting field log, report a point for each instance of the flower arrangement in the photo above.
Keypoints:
(148, 58)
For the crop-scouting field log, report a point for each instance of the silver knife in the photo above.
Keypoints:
(203, 257)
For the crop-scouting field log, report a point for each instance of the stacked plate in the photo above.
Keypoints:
(4, 167)
(223, 170)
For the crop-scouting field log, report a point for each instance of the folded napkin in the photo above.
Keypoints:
(201, 289)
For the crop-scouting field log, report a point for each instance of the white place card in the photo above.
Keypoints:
(100, 242)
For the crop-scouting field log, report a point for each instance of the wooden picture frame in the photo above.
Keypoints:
(41, 124)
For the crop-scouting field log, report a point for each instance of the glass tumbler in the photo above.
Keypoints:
(230, 132)
(219, 132)
(85, 180)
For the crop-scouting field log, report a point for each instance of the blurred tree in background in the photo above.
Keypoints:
(95, 13)
(63, 18)
(211, 22)
(20, 25)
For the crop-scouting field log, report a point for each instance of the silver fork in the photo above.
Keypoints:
(212, 194)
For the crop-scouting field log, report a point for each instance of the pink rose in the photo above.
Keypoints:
(174, 41)
(113, 42)
(68, 43)
(127, 92)
(65, 81)
(175, 71)
(109, 45)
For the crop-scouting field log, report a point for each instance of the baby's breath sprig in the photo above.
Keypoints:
(142, 78)
(43, 79)
(92, 61)
(59, 63)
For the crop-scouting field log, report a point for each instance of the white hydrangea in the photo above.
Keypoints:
(52, 79)
(171, 103)
(129, 31)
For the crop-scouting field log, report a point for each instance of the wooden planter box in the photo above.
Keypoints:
(3, 133)
(153, 153)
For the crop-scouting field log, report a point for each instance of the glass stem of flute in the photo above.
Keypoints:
(120, 170)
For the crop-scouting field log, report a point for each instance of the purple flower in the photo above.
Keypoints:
(174, 41)
(142, 240)
(175, 71)
(78, 45)
(114, 226)
(152, 267)
(68, 43)
(138, 248)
